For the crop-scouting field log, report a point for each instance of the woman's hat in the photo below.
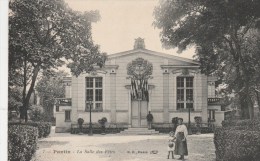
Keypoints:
(180, 119)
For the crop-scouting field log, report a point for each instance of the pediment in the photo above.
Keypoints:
(171, 59)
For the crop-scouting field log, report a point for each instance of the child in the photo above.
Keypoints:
(171, 144)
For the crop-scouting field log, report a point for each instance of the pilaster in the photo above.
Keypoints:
(113, 97)
(166, 97)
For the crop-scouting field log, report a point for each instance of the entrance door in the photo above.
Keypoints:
(139, 113)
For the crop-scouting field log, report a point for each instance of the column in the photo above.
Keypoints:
(129, 108)
(74, 107)
(166, 97)
(204, 100)
(113, 97)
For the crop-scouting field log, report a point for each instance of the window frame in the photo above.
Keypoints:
(183, 87)
(94, 88)
(67, 119)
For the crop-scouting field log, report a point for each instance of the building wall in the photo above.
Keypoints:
(116, 97)
(61, 125)
(68, 91)
(219, 116)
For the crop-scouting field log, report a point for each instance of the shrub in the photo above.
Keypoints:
(238, 145)
(80, 123)
(103, 122)
(238, 140)
(253, 124)
(44, 128)
(22, 142)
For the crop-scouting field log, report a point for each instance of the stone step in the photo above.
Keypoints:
(139, 131)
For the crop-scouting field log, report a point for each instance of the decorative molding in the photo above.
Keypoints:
(156, 110)
(96, 72)
(165, 71)
(186, 72)
(121, 110)
(177, 111)
(178, 66)
(153, 53)
(139, 69)
(139, 43)
(106, 110)
(111, 66)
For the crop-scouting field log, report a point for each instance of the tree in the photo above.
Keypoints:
(14, 100)
(219, 30)
(50, 87)
(42, 35)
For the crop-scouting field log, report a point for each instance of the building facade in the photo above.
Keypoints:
(137, 81)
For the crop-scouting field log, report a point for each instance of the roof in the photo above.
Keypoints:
(154, 53)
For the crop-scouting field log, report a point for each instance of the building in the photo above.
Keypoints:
(137, 81)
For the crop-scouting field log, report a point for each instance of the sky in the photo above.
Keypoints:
(122, 21)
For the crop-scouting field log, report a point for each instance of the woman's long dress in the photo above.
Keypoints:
(181, 146)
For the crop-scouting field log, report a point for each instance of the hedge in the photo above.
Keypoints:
(238, 140)
(237, 145)
(97, 129)
(44, 128)
(22, 142)
(253, 124)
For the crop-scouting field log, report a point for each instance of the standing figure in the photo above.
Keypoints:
(181, 140)
(149, 118)
(171, 144)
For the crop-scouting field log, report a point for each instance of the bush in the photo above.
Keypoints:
(247, 124)
(22, 142)
(44, 128)
(238, 145)
(238, 140)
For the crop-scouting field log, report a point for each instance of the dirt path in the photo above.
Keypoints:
(67, 147)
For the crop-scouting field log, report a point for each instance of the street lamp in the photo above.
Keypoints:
(90, 122)
(189, 127)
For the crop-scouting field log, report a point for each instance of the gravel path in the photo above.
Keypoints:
(116, 147)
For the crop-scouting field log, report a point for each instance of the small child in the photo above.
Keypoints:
(171, 144)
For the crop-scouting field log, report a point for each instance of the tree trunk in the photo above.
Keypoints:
(30, 91)
(22, 115)
(258, 101)
(243, 107)
(249, 103)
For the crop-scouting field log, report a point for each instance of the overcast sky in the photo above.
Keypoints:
(121, 22)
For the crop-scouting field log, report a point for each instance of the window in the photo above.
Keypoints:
(94, 90)
(57, 108)
(211, 115)
(184, 93)
(67, 115)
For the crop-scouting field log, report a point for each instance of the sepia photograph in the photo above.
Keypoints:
(130, 80)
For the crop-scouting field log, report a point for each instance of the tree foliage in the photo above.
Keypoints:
(50, 87)
(222, 32)
(44, 33)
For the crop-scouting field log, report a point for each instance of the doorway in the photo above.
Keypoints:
(139, 113)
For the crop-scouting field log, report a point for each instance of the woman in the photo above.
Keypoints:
(181, 140)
